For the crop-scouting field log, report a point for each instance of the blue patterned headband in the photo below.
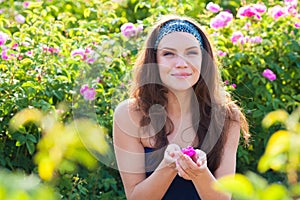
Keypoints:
(178, 26)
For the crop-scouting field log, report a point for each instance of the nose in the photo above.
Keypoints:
(181, 62)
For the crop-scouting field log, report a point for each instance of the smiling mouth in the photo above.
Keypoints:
(181, 75)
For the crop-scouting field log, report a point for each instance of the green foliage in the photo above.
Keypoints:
(61, 146)
(282, 155)
(20, 187)
(43, 70)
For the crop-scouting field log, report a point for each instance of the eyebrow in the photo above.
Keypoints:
(169, 48)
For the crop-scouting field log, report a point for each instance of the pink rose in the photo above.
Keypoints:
(15, 46)
(236, 36)
(277, 11)
(25, 4)
(3, 38)
(250, 11)
(269, 74)
(20, 18)
(86, 54)
(190, 151)
(80, 52)
(88, 93)
(213, 7)
(4, 55)
(128, 30)
(256, 39)
(260, 7)
(221, 20)
(292, 3)
(221, 53)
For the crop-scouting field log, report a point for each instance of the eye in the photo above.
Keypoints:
(168, 53)
(192, 53)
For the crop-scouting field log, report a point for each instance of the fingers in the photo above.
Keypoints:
(186, 167)
(173, 147)
(200, 154)
(201, 158)
(190, 168)
(172, 152)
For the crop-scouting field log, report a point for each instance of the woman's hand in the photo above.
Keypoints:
(191, 167)
(171, 155)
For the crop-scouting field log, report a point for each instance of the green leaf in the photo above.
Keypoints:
(31, 138)
(238, 184)
(275, 192)
(21, 139)
(273, 117)
(30, 147)
(86, 12)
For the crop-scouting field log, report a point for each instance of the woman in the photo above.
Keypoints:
(177, 101)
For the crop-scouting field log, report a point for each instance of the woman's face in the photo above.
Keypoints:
(179, 60)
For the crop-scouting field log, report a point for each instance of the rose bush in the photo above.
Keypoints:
(81, 53)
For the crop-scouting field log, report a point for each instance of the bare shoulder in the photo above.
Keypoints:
(127, 118)
(234, 112)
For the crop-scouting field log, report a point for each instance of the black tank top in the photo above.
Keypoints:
(180, 188)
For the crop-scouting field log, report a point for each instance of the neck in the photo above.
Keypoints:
(179, 103)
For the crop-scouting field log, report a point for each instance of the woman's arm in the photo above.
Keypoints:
(131, 159)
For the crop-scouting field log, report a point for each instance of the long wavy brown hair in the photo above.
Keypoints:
(215, 110)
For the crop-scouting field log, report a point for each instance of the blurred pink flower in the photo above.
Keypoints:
(88, 93)
(98, 79)
(190, 151)
(236, 36)
(256, 39)
(139, 28)
(221, 20)
(221, 53)
(233, 85)
(128, 30)
(88, 50)
(4, 55)
(20, 18)
(86, 54)
(213, 7)
(90, 60)
(297, 25)
(226, 82)
(29, 53)
(124, 54)
(291, 10)
(250, 11)
(247, 26)
(51, 50)
(244, 40)
(292, 3)
(3, 38)
(76, 52)
(277, 11)
(84, 88)
(25, 4)
(26, 44)
(260, 7)
(14, 46)
(269, 74)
